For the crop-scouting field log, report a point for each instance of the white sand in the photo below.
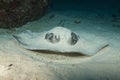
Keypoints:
(28, 65)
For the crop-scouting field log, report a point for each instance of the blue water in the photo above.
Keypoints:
(85, 4)
(106, 10)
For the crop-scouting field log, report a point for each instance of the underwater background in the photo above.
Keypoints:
(94, 20)
(85, 4)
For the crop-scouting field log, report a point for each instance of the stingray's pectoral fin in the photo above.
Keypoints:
(15, 36)
(103, 47)
(18, 38)
(97, 51)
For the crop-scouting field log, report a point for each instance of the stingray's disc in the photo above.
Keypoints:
(59, 39)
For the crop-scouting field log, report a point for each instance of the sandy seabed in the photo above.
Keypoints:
(17, 63)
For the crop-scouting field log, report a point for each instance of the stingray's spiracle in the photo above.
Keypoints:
(51, 37)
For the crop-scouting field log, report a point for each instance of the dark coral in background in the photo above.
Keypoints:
(14, 13)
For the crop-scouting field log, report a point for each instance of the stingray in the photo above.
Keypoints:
(61, 40)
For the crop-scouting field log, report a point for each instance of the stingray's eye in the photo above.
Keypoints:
(74, 38)
(51, 37)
